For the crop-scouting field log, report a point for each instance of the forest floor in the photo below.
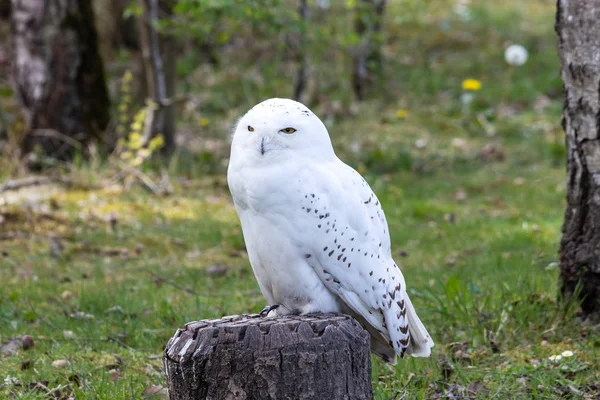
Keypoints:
(99, 276)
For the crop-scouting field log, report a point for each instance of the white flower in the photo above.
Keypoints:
(467, 98)
(516, 55)
(555, 357)
(421, 143)
(567, 353)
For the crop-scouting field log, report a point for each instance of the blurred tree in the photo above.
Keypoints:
(367, 56)
(5, 7)
(117, 27)
(159, 64)
(578, 29)
(58, 74)
(302, 62)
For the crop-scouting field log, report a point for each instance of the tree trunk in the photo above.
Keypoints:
(578, 29)
(302, 67)
(159, 65)
(58, 74)
(5, 9)
(367, 58)
(323, 356)
(115, 31)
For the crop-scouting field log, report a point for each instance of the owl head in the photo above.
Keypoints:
(280, 128)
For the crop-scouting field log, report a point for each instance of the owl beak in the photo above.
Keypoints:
(262, 146)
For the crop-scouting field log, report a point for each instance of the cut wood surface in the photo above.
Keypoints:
(319, 356)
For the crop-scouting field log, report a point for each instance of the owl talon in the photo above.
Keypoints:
(265, 311)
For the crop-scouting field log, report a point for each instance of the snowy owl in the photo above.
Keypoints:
(316, 235)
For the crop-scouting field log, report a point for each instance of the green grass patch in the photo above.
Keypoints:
(474, 197)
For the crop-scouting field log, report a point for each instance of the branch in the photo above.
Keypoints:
(51, 133)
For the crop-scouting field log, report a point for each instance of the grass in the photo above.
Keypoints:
(474, 198)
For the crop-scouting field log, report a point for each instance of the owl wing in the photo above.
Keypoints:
(351, 243)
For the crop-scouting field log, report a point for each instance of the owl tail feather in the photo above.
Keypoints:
(420, 342)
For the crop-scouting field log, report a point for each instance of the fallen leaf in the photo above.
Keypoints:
(81, 315)
(66, 295)
(25, 364)
(460, 195)
(460, 355)
(115, 374)
(193, 254)
(492, 152)
(60, 363)
(446, 367)
(155, 392)
(403, 253)
(28, 342)
(460, 144)
(477, 388)
(217, 270)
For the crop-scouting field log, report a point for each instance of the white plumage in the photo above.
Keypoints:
(316, 234)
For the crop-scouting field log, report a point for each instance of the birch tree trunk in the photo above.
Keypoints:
(58, 74)
(159, 65)
(578, 29)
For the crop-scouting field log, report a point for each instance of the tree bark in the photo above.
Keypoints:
(5, 7)
(115, 31)
(367, 58)
(159, 65)
(323, 356)
(578, 29)
(58, 74)
(302, 62)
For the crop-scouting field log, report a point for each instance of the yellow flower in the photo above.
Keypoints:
(156, 143)
(401, 113)
(203, 122)
(471, 85)
(127, 77)
(136, 126)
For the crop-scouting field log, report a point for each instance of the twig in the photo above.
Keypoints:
(175, 284)
(51, 133)
(145, 179)
(487, 127)
(40, 317)
(166, 102)
(120, 343)
(17, 184)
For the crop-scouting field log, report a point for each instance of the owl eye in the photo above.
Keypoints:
(250, 129)
(289, 131)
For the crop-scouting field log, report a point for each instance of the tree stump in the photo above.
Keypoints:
(318, 356)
